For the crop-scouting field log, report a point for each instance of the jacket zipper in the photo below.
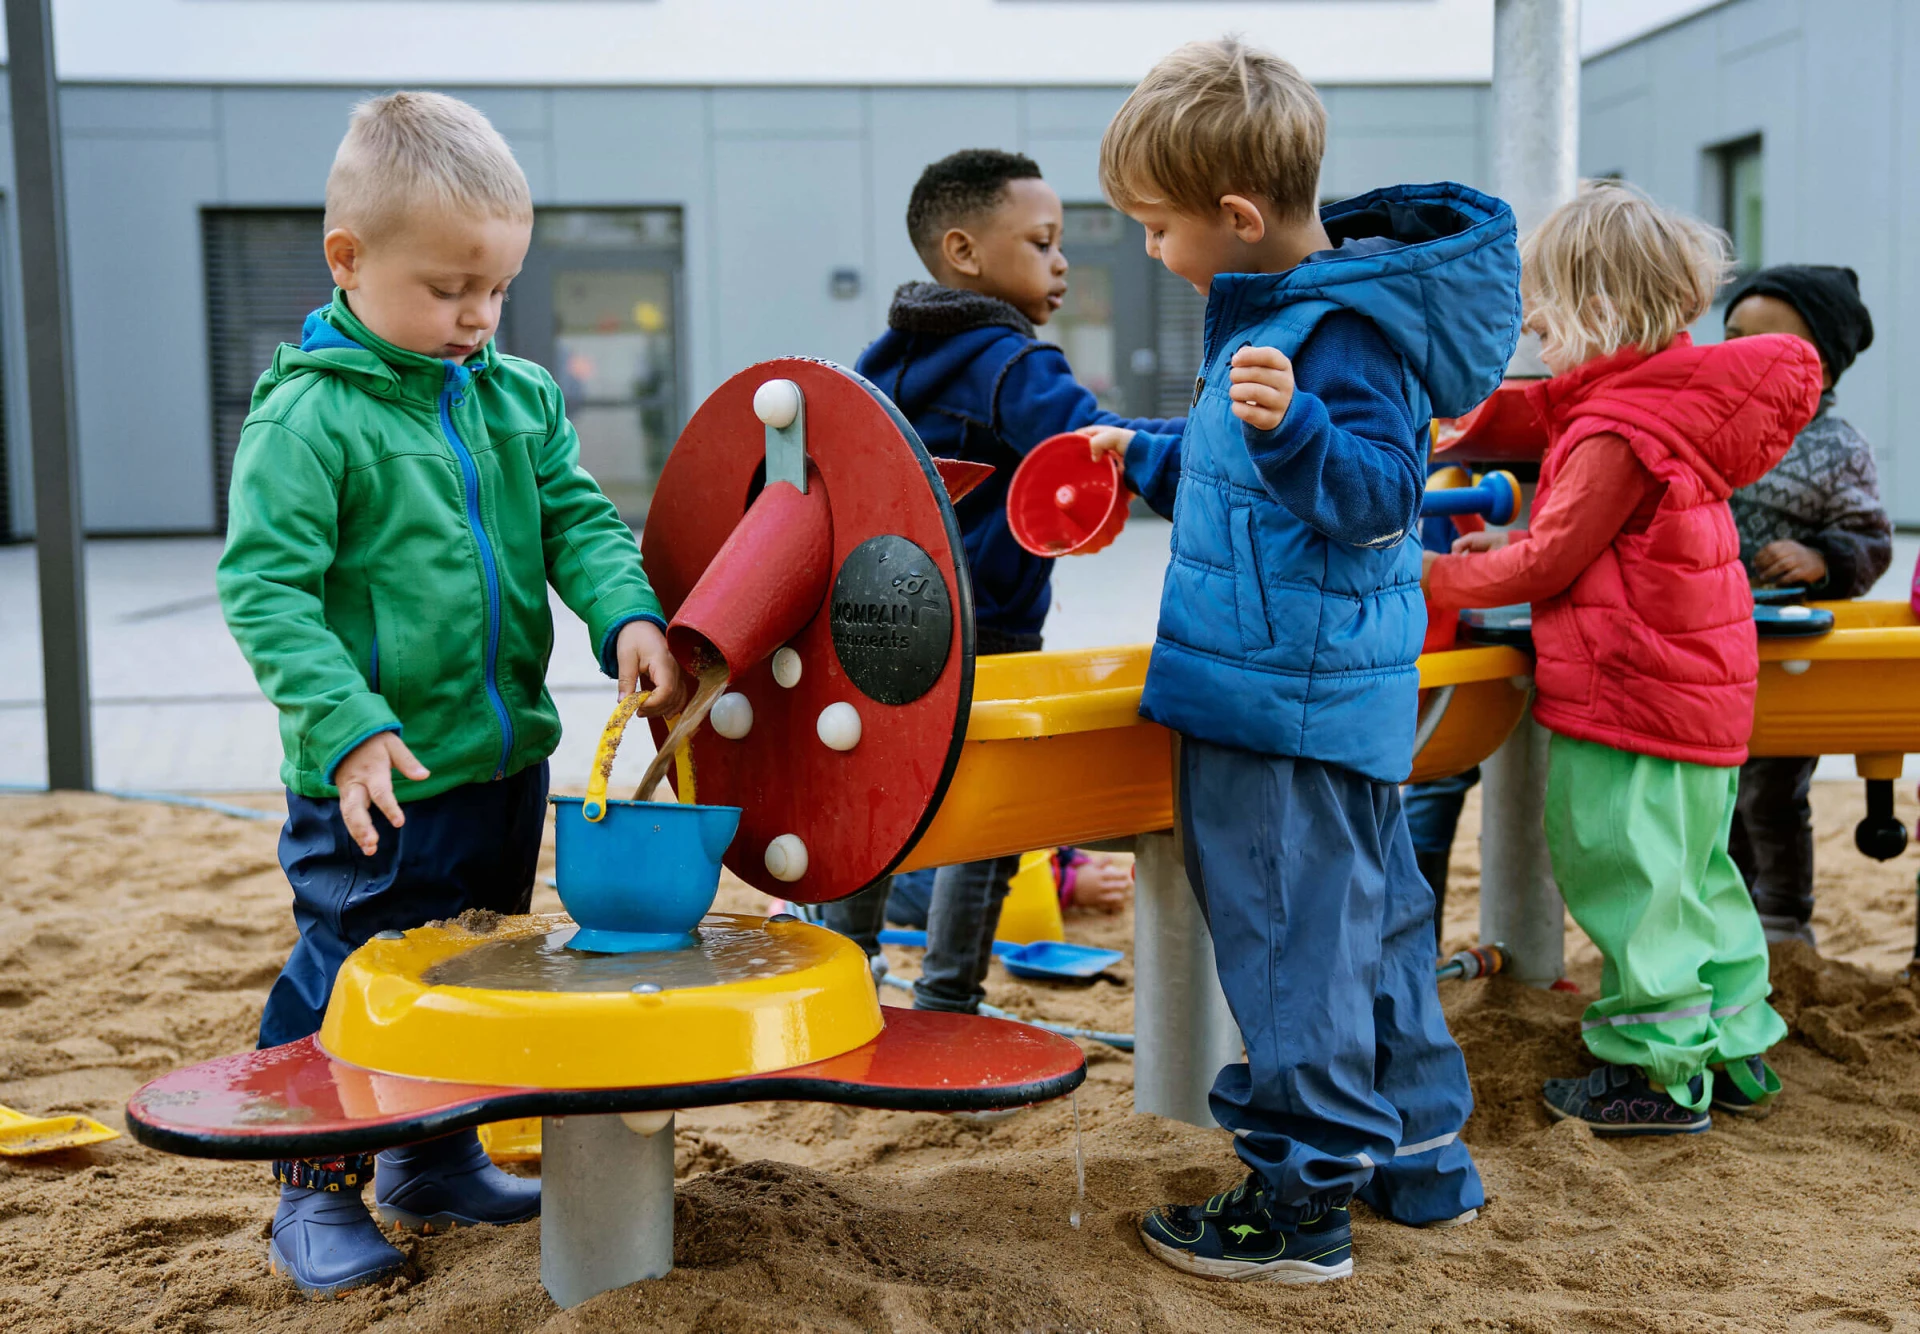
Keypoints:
(470, 477)
(373, 664)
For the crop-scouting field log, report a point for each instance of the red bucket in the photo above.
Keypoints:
(1062, 502)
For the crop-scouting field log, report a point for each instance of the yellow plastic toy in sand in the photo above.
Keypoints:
(22, 1136)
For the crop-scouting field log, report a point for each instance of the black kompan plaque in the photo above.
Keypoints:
(892, 619)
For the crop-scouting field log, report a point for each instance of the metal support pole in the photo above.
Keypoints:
(1183, 1031)
(1536, 119)
(40, 199)
(606, 1203)
(1536, 139)
(1520, 906)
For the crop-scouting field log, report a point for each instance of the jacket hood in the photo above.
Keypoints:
(1437, 270)
(1727, 411)
(334, 342)
(934, 336)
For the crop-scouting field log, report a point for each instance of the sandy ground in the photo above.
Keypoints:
(136, 938)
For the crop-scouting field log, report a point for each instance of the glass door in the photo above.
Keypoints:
(598, 304)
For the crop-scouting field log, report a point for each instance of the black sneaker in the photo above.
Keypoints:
(1618, 1100)
(1745, 1086)
(1232, 1236)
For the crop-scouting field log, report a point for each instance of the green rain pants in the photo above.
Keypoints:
(1639, 847)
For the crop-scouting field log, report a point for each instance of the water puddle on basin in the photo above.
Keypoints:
(716, 955)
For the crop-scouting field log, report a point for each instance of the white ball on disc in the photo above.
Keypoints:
(787, 858)
(786, 668)
(839, 726)
(732, 715)
(777, 403)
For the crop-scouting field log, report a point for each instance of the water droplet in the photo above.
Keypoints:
(1079, 1166)
(646, 989)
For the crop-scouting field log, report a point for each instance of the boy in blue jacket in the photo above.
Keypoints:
(1289, 629)
(961, 360)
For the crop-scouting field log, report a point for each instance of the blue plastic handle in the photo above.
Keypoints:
(1494, 496)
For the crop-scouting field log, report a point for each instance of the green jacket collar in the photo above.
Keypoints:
(335, 340)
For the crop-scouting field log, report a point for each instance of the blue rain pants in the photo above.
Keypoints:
(475, 846)
(1323, 934)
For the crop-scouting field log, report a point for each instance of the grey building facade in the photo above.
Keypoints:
(732, 225)
(686, 233)
(1796, 125)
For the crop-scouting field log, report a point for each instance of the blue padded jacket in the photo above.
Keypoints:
(1291, 617)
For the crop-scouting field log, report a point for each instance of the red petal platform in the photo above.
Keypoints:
(295, 1101)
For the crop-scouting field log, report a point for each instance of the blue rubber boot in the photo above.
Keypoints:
(447, 1183)
(326, 1242)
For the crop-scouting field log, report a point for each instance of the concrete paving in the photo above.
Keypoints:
(176, 708)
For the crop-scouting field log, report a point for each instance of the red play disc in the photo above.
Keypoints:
(1064, 502)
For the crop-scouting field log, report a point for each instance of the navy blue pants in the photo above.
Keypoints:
(475, 846)
(1433, 809)
(1323, 933)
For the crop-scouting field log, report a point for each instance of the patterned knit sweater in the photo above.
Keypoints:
(1824, 494)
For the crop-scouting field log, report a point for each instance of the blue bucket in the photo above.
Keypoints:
(643, 876)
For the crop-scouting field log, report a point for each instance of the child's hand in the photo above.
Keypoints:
(1484, 540)
(365, 780)
(1103, 883)
(1789, 562)
(1262, 386)
(1108, 440)
(641, 651)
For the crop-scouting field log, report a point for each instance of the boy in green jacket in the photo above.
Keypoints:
(402, 496)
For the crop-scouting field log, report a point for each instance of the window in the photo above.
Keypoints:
(265, 272)
(1742, 190)
(598, 305)
(1130, 329)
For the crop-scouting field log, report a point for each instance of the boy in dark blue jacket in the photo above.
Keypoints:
(960, 359)
(1289, 630)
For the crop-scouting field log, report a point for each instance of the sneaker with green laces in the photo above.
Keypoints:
(1745, 1086)
(1233, 1236)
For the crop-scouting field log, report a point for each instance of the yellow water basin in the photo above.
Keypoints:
(1057, 752)
(514, 1007)
(1854, 691)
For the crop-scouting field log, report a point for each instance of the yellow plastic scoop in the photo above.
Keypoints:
(22, 1136)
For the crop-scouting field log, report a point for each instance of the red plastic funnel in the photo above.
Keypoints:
(1063, 503)
(765, 583)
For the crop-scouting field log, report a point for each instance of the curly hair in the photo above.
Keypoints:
(958, 187)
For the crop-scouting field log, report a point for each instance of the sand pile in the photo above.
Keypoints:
(136, 938)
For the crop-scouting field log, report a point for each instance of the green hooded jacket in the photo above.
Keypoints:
(393, 523)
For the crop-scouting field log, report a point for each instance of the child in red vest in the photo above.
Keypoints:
(1644, 640)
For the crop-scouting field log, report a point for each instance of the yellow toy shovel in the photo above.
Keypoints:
(22, 1136)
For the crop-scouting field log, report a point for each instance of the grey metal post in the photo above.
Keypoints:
(1536, 141)
(40, 198)
(1536, 118)
(1183, 1031)
(606, 1203)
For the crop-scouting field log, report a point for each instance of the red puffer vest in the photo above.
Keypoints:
(1652, 648)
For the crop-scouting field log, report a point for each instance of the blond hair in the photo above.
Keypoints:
(410, 152)
(1212, 119)
(1612, 269)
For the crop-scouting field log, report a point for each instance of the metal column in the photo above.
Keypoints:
(40, 200)
(1183, 1030)
(606, 1203)
(1536, 136)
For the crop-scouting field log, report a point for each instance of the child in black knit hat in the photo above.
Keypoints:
(1816, 520)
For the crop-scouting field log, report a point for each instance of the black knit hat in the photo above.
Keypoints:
(1828, 299)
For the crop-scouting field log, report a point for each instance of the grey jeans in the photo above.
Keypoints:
(961, 920)
(1772, 843)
